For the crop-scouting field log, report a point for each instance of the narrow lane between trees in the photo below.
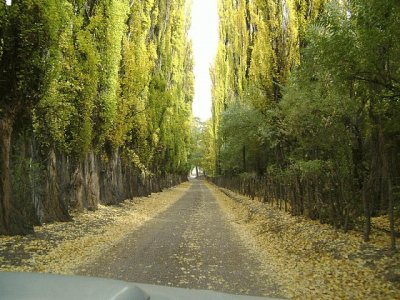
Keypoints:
(192, 244)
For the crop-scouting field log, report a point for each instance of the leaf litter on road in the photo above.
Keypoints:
(310, 260)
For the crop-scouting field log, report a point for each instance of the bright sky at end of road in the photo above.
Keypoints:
(204, 34)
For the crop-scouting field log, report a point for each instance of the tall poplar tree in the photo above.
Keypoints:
(107, 78)
(29, 33)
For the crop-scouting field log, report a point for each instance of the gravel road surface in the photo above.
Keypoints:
(191, 245)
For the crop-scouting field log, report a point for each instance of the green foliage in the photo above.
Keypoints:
(241, 144)
(121, 77)
(27, 37)
(259, 48)
(208, 148)
(171, 91)
(99, 77)
(62, 118)
(199, 141)
(108, 30)
(102, 75)
(324, 78)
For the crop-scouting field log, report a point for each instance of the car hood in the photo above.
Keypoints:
(31, 286)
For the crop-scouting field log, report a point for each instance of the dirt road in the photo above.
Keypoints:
(193, 245)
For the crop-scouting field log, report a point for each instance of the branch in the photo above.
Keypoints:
(377, 82)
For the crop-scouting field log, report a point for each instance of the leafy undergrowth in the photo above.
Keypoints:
(313, 260)
(62, 246)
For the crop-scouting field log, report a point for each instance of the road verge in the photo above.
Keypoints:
(313, 260)
(61, 247)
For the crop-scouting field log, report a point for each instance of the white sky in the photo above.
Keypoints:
(204, 34)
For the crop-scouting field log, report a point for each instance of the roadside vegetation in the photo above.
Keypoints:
(312, 260)
(67, 247)
(95, 108)
(95, 105)
(306, 109)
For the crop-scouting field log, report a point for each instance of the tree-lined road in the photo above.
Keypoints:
(193, 245)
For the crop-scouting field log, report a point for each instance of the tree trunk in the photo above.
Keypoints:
(387, 176)
(5, 184)
(367, 211)
(11, 219)
(391, 216)
(55, 198)
(244, 159)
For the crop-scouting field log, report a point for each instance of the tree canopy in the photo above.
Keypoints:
(322, 80)
(96, 76)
